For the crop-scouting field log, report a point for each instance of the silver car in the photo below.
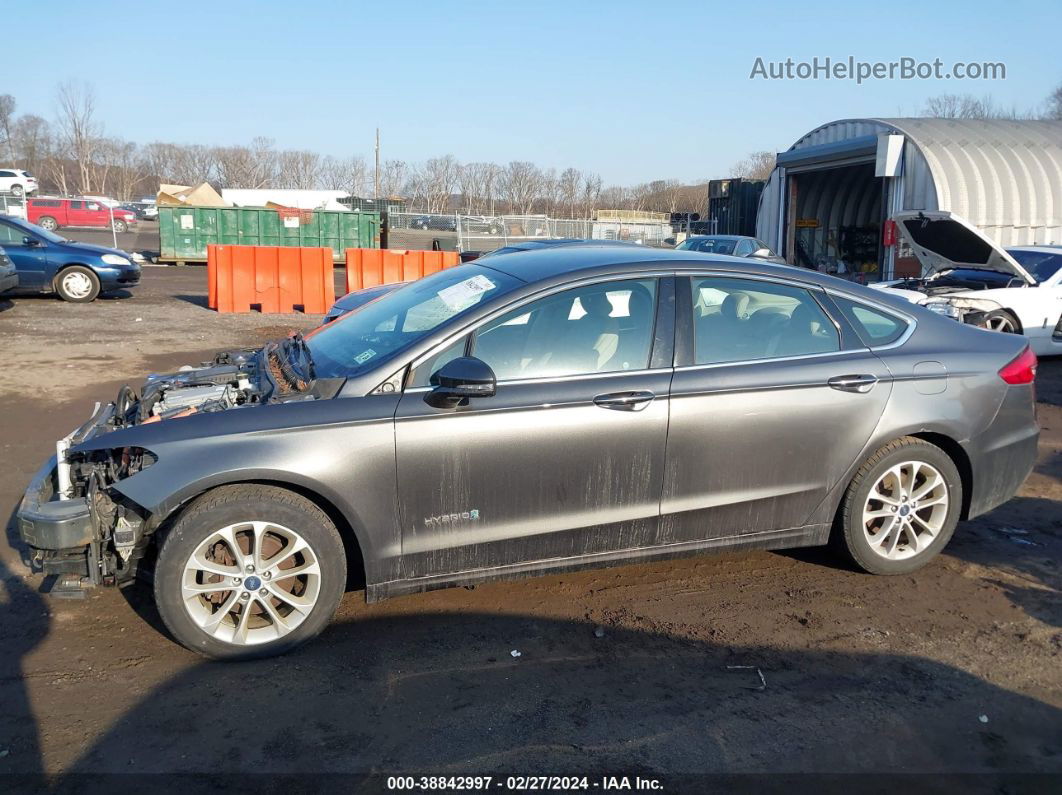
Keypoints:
(537, 412)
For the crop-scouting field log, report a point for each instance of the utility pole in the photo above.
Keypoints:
(376, 193)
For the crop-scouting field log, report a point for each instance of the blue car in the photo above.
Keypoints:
(48, 263)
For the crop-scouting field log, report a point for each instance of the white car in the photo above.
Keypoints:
(970, 278)
(17, 181)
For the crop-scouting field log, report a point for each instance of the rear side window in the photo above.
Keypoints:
(7, 173)
(737, 320)
(875, 326)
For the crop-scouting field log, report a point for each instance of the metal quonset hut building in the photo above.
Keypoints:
(826, 202)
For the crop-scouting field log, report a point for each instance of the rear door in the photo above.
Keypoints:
(771, 402)
(566, 459)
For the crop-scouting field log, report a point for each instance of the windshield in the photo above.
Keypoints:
(1041, 265)
(711, 245)
(360, 340)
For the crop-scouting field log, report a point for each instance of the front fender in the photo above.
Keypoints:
(342, 450)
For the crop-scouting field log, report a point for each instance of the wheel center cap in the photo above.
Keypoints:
(904, 510)
(252, 583)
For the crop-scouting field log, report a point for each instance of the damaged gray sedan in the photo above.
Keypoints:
(537, 412)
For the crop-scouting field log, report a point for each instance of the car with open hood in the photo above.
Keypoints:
(536, 412)
(968, 277)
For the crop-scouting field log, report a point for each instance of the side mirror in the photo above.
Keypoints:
(762, 252)
(30, 241)
(460, 379)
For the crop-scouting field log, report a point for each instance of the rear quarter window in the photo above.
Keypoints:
(876, 326)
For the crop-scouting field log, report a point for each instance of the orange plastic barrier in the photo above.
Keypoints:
(273, 279)
(369, 267)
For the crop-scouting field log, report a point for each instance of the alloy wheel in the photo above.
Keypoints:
(905, 510)
(251, 583)
(1001, 323)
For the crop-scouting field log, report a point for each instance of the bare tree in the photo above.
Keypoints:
(437, 179)
(78, 129)
(591, 194)
(393, 177)
(757, 165)
(7, 123)
(298, 168)
(1054, 104)
(350, 174)
(31, 142)
(130, 168)
(568, 188)
(521, 181)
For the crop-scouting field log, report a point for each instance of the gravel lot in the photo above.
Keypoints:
(954, 669)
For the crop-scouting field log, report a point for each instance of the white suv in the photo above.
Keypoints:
(17, 181)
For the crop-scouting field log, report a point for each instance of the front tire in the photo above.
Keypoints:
(1002, 321)
(77, 284)
(249, 571)
(900, 509)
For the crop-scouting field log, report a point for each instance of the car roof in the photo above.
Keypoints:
(717, 237)
(547, 263)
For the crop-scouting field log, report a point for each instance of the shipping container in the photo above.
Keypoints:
(732, 205)
(185, 232)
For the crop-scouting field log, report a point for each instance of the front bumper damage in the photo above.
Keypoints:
(79, 528)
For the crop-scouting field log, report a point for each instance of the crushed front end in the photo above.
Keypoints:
(76, 524)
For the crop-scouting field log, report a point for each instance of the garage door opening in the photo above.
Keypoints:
(835, 221)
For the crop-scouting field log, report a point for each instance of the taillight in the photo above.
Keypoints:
(1022, 370)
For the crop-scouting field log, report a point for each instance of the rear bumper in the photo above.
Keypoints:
(1004, 455)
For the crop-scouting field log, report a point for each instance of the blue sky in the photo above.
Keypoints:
(631, 90)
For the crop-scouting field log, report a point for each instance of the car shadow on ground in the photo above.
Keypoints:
(1023, 551)
(19, 733)
(445, 694)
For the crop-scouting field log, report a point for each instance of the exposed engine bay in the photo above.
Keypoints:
(79, 524)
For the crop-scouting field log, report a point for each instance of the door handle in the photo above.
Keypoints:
(853, 383)
(625, 401)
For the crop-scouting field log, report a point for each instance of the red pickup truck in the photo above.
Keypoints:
(54, 213)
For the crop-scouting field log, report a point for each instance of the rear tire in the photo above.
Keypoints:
(77, 284)
(17, 190)
(900, 509)
(120, 225)
(234, 605)
(47, 222)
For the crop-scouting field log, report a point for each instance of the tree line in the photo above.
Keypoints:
(72, 154)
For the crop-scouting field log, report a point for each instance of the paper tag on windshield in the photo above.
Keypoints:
(461, 294)
(361, 358)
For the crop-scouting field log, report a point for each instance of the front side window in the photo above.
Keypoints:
(361, 340)
(10, 236)
(743, 248)
(742, 319)
(599, 328)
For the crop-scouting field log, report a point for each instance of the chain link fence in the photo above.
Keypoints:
(460, 232)
(10, 204)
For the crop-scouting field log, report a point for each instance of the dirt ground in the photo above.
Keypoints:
(953, 670)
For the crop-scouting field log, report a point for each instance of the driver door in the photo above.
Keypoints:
(553, 466)
(31, 262)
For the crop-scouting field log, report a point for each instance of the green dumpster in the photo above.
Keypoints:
(185, 232)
